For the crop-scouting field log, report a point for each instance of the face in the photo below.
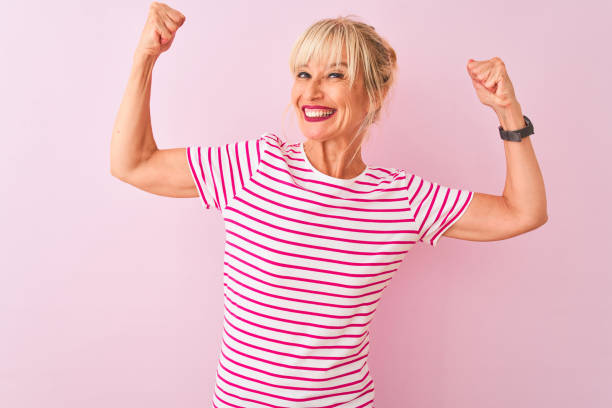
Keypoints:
(321, 97)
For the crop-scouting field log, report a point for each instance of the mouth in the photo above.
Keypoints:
(317, 113)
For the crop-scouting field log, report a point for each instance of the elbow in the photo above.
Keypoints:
(542, 218)
(116, 173)
(118, 169)
(536, 221)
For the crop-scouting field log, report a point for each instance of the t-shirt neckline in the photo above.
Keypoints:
(327, 177)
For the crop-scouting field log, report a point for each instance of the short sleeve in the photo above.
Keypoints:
(435, 207)
(220, 172)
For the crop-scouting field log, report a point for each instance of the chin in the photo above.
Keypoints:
(315, 135)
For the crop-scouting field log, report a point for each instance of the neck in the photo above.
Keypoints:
(336, 158)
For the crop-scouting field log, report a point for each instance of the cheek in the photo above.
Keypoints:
(296, 90)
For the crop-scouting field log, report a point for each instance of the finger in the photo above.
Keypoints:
(478, 85)
(492, 80)
(471, 66)
(479, 71)
(176, 17)
(170, 25)
(164, 33)
(483, 74)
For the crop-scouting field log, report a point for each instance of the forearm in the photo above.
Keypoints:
(132, 140)
(524, 191)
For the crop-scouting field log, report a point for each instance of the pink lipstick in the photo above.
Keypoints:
(317, 118)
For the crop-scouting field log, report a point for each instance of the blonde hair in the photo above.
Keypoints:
(366, 51)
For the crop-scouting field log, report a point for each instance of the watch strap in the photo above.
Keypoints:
(519, 134)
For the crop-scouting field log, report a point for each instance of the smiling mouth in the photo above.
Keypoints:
(318, 114)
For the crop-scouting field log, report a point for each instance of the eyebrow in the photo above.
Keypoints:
(329, 66)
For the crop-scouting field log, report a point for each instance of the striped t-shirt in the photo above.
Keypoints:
(307, 257)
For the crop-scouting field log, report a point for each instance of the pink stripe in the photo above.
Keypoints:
(455, 217)
(314, 258)
(216, 201)
(231, 168)
(310, 171)
(275, 363)
(424, 200)
(204, 175)
(288, 398)
(287, 387)
(334, 294)
(370, 401)
(304, 245)
(329, 272)
(431, 205)
(237, 154)
(219, 166)
(324, 183)
(193, 171)
(301, 323)
(307, 357)
(297, 300)
(285, 156)
(441, 211)
(358, 396)
(363, 200)
(302, 334)
(302, 200)
(292, 377)
(244, 399)
(278, 227)
(320, 282)
(416, 193)
(276, 406)
(306, 346)
(296, 311)
(324, 225)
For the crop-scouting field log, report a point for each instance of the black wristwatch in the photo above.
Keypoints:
(517, 135)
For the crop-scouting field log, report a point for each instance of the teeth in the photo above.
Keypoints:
(317, 113)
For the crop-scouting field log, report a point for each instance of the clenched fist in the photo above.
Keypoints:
(492, 83)
(159, 30)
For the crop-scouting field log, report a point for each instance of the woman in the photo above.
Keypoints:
(314, 234)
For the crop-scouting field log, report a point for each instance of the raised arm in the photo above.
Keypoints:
(135, 157)
(522, 206)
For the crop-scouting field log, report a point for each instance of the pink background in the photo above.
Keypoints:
(112, 297)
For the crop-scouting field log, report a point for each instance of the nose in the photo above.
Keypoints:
(313, 90)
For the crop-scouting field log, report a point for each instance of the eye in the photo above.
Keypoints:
(339, 74)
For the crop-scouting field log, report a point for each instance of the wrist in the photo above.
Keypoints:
(511, 118)
(143, 59)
